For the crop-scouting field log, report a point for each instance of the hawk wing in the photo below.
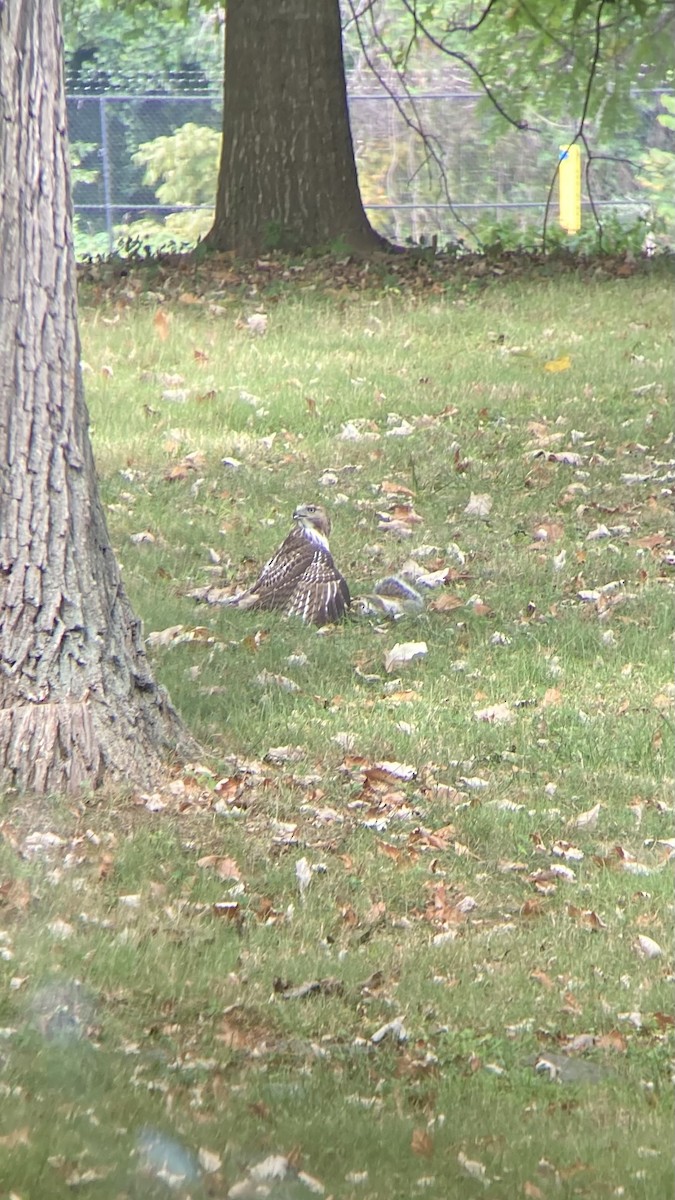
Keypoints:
(302, 580)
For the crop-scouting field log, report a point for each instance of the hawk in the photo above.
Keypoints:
(301, 579)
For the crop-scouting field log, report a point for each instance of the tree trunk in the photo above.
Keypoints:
(287, 176)
(78, 704)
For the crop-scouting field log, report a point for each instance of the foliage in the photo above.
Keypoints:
(533, 58)
(545, 85)
(614, 236)
(140, 48)
(658, 177)
(183, 169)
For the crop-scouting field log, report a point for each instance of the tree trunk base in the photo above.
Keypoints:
(69, 747)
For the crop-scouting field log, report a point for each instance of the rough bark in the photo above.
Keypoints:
(78, 704)
(287, 175)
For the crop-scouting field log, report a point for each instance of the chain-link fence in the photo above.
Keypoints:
(145, 167)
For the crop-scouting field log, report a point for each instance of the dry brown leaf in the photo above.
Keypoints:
(390, 851)
(18, 1137)
(586, 916)
(614, 1040)
(387, 772)
(404, 513)
(571, 1004)
(446, 603)
(105, 866)
(178, 472)
(542, 978)
(389, 488)
(422, 1143)
(161, 324)
(406, 696)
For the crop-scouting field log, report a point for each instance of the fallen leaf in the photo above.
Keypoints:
(225, 868)
(480, 505)
(228, 909)
(587, 819)
(208, 1161)
(161, 324)
(422, 1143)
(164, 637)
(269, 678)
(402, 653)
(586, 917)
(475, 1170)
(614, 1040)
(257, 324)
(495, 714)
(558, 364)
(647, 947)
(18, 1137)
(303, 873)
(394, 1029)
(391, 770)
(389, 488)
(446, 602)
(568, 457)
(543, 978)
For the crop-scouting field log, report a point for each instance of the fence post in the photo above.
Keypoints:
(106, 175)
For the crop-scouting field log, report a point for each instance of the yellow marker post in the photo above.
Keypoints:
(569, 177)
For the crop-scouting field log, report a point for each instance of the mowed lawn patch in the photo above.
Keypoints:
(399, 931)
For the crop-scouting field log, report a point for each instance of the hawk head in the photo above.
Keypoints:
(313, 517)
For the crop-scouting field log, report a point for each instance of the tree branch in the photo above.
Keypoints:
(460, 57)
(416, 124)
(580, 135)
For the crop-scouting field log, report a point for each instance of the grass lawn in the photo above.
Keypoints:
(398, 933)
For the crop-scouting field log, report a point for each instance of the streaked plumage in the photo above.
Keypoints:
(301, 579)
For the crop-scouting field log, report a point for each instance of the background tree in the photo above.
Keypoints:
(534, 62)
(78, 704)
(287, 175)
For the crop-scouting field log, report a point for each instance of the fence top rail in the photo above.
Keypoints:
(211, 96)
(217, 95)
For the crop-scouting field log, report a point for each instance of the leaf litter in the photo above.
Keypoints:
(265, 792)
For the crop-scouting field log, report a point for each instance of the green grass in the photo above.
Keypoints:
(159, 1024)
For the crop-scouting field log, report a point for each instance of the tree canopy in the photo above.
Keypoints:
(576, 70)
